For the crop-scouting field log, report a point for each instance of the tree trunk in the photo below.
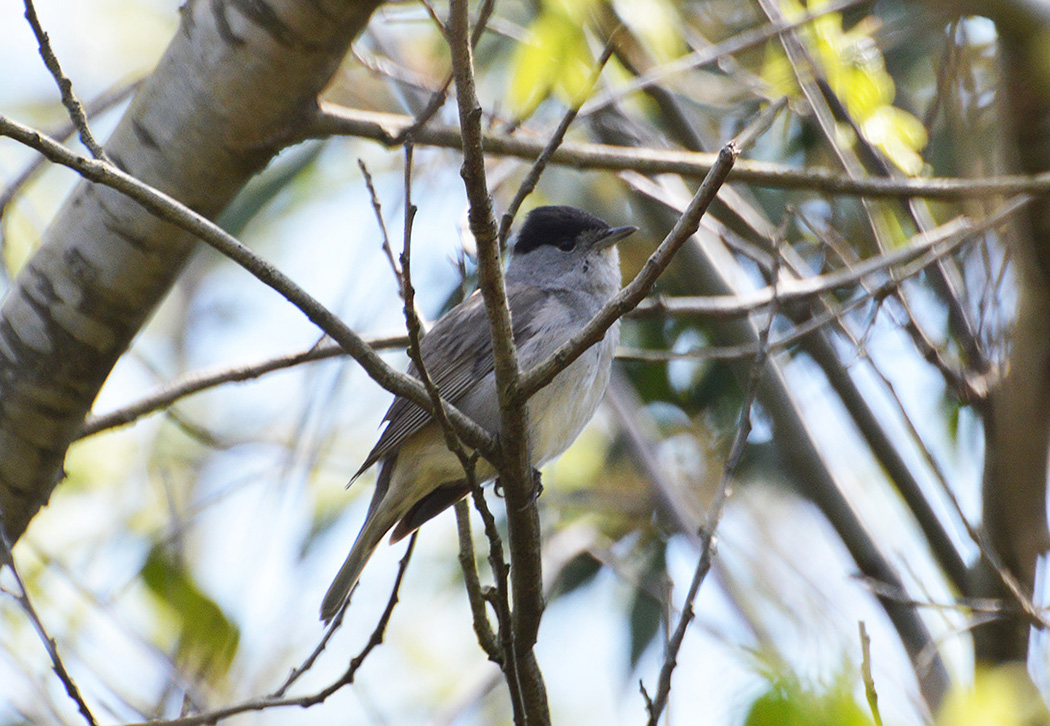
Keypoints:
(1017, 427)
(232, 89)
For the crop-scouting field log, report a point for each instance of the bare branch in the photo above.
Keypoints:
(800, 331)
(515, 474)
(482, 627)
(203, 380)
(935, 245)
(334, 120)
(103, 102)
(437, 99)
(377, 207)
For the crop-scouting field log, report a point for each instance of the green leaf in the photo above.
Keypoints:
(647, 612)
(788, 703)
(646, 617)
(854, 67)
(1002, 696)
(577, 572)
(207, 638)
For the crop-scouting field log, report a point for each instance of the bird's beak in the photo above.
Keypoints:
(612, 236)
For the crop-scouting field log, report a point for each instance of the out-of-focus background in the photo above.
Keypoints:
(181, 563)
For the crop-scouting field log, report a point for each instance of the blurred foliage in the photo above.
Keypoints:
(648, 615)
(207, 638)
(1000, 696)
(854, 68)
(554, 57)
(790, 703)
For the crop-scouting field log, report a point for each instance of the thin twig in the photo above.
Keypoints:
(415, 328)
(865, 669)
(377, 207)
(486, 639)
(22, 598)
(515, 474)
(65, 86)
(476, 598)
(429, 7)
(630, 296)
(103, 102)
(812, 324)
(499, 597)
(933, 246)
(203, 380)
(437, 99)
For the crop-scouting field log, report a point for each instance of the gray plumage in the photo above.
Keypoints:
(564, 268)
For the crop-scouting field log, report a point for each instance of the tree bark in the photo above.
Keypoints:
(235, 86)
(1017, 425)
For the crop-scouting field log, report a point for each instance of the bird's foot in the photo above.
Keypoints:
(537, 485)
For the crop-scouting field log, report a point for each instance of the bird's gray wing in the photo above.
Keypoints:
(457, 354)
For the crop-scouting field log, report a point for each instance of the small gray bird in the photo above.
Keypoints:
(565, 266)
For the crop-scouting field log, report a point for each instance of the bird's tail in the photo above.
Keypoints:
(377, 523)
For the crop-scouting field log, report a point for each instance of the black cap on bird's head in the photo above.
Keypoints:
(563, 227)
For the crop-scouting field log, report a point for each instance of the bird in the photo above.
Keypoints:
(564, 267)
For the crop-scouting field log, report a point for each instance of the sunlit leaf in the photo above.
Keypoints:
(899, 135)
(788, 703)
(657, 23)
(554, 57)
(856, 72)
(777, 73)
(1002, 696)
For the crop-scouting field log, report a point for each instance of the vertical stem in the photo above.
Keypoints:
(516, 472)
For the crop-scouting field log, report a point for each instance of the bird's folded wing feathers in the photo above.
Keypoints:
(455, 362)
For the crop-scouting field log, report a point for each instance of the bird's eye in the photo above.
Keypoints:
(566, 245)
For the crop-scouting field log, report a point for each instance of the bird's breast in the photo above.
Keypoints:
(559, 411)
